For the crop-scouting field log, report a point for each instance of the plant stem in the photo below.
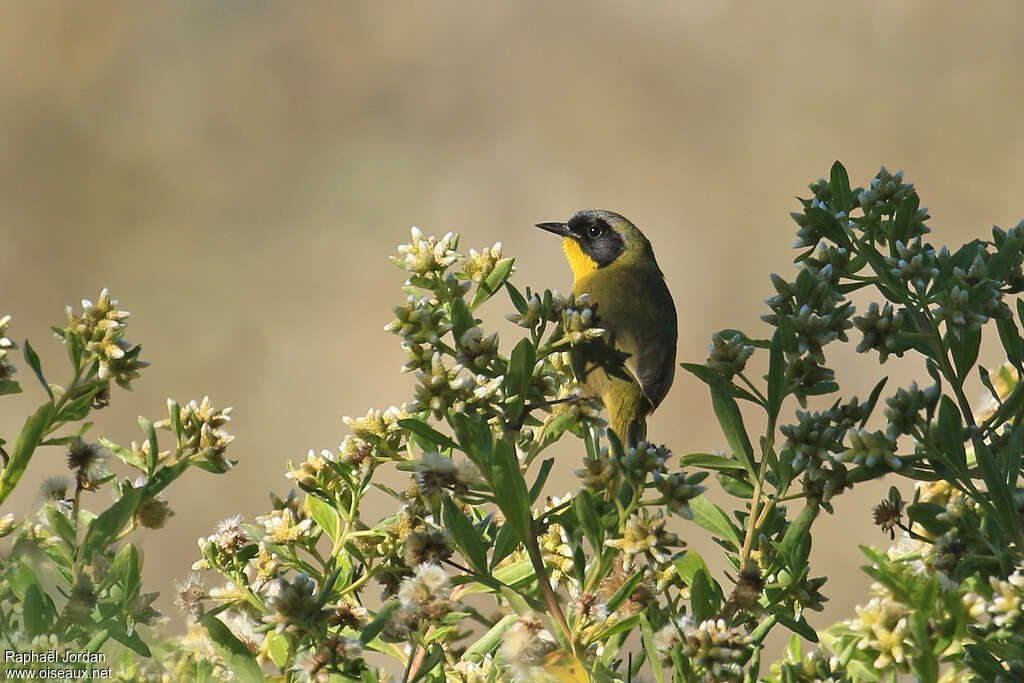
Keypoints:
(536, 559)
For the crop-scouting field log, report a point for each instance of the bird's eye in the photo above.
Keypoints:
(594, 230)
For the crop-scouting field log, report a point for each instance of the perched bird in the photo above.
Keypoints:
(632, 370)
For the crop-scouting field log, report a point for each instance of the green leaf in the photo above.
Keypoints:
(278, 647)
(509, 489)
(905, 212)
(731, 422)
(371, 630)
(489, 286)
(125, 570)
(154, 449)
(624, 591)
(235, 653)
(653, 654)
(839, 183)
(589, 520)
(736, 484)
(709, 516)
(325, 516)
(798, 626)
(796, 542)
(828, 225)
(465, 535)
(702, 598)
(981, 661)
(1010, 337)
(518, 300)
(925, 515)
(777, 373)
(475, 439)
(111, 522)
(489, 641)
(869, 405)
(32, 358)
(710, 461)
(518, 376)
(965, 350)
(999, 493)
(542, 477)
(61, 525)
(950, 435)
(505, 543)
(462, 319)
(38, 611)
(24, 446)
(9, 386)
(688, 565)
(78, 408)
(421, 428)
(435, 653)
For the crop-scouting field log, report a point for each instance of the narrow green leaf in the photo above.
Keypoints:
(61, 525)
(795, 542)
(872, 401)
(1010, 338)
(377, 624)
(32, 358)
(905, 213)
(24, 446)
(111, 522)
(462, 319)
(965, 350)
(688, 565)
(624, 591)
(1000, 495)
(589, 520)
(709, 516)
(736, 485)
(38, 611)
(9, 386)
(653, 654)
(278, 648)
(839, 183)
(465, 535)
(421, 428)
(489, 641)
(710, 461)
(235, 653)
(731, 422)
(509, 489)
(702, 599)
(504, 545)
(493, 282)
(518, 300)
(950, 434)
(325, 516)
(777, 374)
(542, 477)
(517, 379)
(435, 653)
(154, 448)
(798, 626)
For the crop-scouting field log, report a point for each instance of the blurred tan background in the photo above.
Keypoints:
(238, 173)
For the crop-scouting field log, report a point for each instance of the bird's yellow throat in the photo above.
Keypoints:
(581, 264)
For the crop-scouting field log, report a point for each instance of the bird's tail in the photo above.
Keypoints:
(628, 418)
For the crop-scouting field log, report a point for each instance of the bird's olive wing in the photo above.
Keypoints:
(652, 341)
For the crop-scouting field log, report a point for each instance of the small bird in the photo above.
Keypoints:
(632, 370)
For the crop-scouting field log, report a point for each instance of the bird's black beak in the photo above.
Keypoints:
(557, 228)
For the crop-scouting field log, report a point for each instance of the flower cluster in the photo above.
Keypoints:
(100, 331)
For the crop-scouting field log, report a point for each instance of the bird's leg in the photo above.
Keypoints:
(518, 424)
(553, 402)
